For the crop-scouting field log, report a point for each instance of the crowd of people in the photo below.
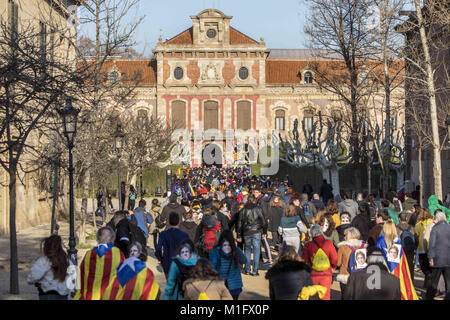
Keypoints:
(217, 224)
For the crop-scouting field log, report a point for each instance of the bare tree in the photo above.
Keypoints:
(32, 87)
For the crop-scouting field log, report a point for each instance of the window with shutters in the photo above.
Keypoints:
(308, 77)
(179, 114)
(308, 119)
(211, 115)
(279, 120)
(244, 115)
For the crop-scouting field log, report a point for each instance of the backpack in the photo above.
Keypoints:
(407, 238)
(182, 275)
(209, 236)
(307, 209)
(352, 265)
(320, 260)
(203, 295)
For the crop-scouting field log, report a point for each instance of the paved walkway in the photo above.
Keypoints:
(255, 288)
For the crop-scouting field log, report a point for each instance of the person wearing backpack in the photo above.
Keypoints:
(181, 264)
(169, 241)
(321, 255)
(205, 283)
(309, 208)
(207, 233)
(409, 240)
(140, 217)
(345, 249)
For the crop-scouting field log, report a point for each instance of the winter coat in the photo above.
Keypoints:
(290, 227)
(421, 226)
(439, 248)
(349, 206)
(333, 237)
(357, 288)
(214, 289)
(326, 192)
(374, 233)
(232, 204)
(154, 212)
(167, 246)
(209, 226)
(409, 204)
(344, 252)
(178, 208)
(190, 227)
(361, 223)
(142, 218)
(221, 262)
(172, 290)
(433, 204)
(274, 215)
(393, 215)
(327, 246)
(341, 229)
(41, 273)
(318, 204)
(251, 221)
(287, 279)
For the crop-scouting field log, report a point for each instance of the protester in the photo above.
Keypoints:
(274, 214)
(207, 233)
(172, 206)
(223, 214)
(123, 232)
(326, 192)
(392, 214)
(433, 205)
(50, 273)
(296, 200)
(288, 276)
(322, 270)
(348, 205)
(180, 266)
(423, 220)
(99, 266)
(409, 202)
(141, 217)
(360, 285)
(132, 198)
(122, 194)
(169, 241)
(333, 210)
(409, 240)
(291, 227)
(188, 225)
(154, 212)
(374, 233)
(251, 228)
(318, 204)
(361, 222)
(329, 229)
(439, 256)
(395, 259)
(133, 281)
(309, 208)
(345, 248)
(308, 190)
(345, 224)
(204, 283)
(226, 258)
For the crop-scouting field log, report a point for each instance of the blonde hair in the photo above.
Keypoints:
(390, 232)
(352, 233)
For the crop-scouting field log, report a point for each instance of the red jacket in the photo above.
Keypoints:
(327, 246)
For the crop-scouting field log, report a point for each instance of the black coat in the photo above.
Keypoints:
(358, 289)
(274, 215)
(190, 227)
(251, 221)
(341, 229)
(361, 223)
(287, 279)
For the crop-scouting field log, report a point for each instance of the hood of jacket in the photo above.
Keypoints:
(433, 200)
(347, 203)
(287, 266)
(209, 221)
(355, 243)
(173, 205)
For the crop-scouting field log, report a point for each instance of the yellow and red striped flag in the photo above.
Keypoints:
(97, 271)
(133, 281)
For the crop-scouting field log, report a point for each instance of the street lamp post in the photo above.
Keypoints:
(119, 135)
(140, 145)
(141, 123)
(448, 128)
(369, 144)
(69, 114)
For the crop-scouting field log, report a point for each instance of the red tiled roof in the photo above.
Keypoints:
(284, 71)
(237, 37)
(184, 37)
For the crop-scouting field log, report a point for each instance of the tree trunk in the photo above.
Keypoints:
(437, 174)
(420, 175)
(93, 202)
(14, 260)
(84, 204)
(335, 181)
(400, 178)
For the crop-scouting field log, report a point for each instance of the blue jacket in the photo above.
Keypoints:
(167, 246)
(139, 214)
(172, 290)
(221, 262)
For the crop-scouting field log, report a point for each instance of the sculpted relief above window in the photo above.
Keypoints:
(210, 72)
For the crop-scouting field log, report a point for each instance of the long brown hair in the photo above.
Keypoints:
(204, 270)
(227, 235)
(332, 207)
(58, 258)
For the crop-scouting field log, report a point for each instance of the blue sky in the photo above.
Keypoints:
(280, 22)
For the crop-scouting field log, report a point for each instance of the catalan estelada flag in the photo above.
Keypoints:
(396, 262)
(97, 271)
(134, 281)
